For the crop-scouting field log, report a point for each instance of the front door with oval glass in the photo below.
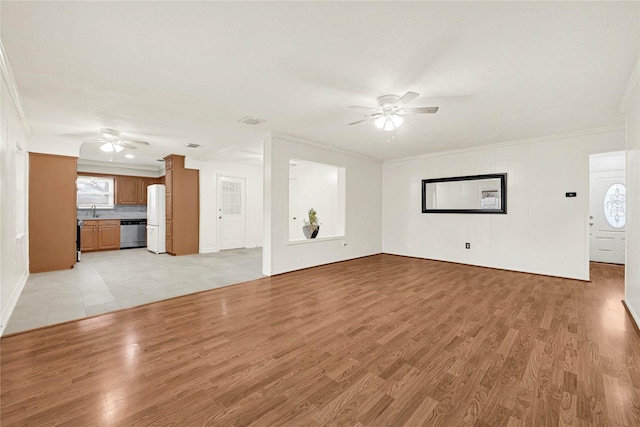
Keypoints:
(607, 217)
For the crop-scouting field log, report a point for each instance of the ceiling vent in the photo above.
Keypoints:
(192, 145)
(248, 120)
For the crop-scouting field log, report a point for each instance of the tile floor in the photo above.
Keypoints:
(113, 280)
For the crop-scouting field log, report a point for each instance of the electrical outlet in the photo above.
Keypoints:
(467, 245)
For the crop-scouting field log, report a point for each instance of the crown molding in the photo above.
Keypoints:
(234, 147)
(632, 85)
(298, 140)
(510, 143)
(9, 83)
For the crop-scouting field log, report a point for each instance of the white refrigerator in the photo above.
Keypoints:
(156, 221)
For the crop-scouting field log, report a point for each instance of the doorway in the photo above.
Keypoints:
(231, 212)
(607, 207)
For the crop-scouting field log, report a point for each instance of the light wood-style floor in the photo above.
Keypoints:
(382, 340)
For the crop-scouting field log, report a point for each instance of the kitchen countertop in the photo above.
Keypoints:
(111, 215)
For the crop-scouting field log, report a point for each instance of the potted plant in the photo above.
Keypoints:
(311, 226)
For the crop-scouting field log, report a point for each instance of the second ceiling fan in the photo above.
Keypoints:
(110, 141)
(389, 113)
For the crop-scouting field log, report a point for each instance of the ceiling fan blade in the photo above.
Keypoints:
(360, 107)
(81, 135)
(360, 121)
(95, 141)
(125, 144)
(132, 141)
(406, 98)
(421, 110)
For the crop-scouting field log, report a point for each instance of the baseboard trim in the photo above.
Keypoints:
(13, 300)
(326, 263)
(635, 319)
(539, 273)
(209, 250)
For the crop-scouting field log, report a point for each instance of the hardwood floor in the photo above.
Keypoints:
(382, 340)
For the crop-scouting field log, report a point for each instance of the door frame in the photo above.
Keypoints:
(588, 206)
(219, 208)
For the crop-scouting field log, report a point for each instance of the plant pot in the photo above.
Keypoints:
(310, 231)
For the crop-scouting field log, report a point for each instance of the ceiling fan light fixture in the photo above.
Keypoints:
(110, 147)
(107, 147)
(397, 120)
(388, 114)
(388, 124)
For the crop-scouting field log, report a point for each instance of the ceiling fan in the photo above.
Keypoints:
(111, 141)
(389, 113)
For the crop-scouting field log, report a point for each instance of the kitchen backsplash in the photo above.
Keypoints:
(119, 212)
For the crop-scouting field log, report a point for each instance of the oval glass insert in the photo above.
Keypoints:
(615, 205)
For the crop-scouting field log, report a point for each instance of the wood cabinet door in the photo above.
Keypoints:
(127, 190)
(142, 189)
(89, 236)
(168, 183)
(169, 237)
(109, 235)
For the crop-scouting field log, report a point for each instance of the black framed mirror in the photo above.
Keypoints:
(479, 194)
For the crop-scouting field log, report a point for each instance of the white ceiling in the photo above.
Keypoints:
(173, 73)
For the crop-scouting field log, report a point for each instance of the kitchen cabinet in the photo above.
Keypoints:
(132, 190)
(143, 183)
(168, 184)
(182, 207)
(89, 236)
(127, 190)
(52, 212)
(100, 235)
(108, 234)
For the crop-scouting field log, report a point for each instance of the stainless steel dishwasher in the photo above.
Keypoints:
(133, 233)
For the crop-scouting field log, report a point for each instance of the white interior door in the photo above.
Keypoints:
(231, 213)
(607, 216)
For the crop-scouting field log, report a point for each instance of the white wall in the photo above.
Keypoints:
(363, 222)
(14, 268)
(209, 172)
(543, 231)
(632, 268)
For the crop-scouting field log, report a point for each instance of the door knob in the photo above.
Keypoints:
(590, 217)
(590, 223)
(294, 218)
(219, 217)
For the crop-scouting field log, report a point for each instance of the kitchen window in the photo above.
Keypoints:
(95, 191)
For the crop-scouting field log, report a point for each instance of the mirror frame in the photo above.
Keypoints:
(503, 192)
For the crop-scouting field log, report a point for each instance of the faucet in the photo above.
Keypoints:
(93, 211)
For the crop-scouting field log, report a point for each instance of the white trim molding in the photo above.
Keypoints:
(209, 250)
(13, 300)
(9, 83)
(632, 85)
(510, 143)
(292, 138)
(634, 315)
